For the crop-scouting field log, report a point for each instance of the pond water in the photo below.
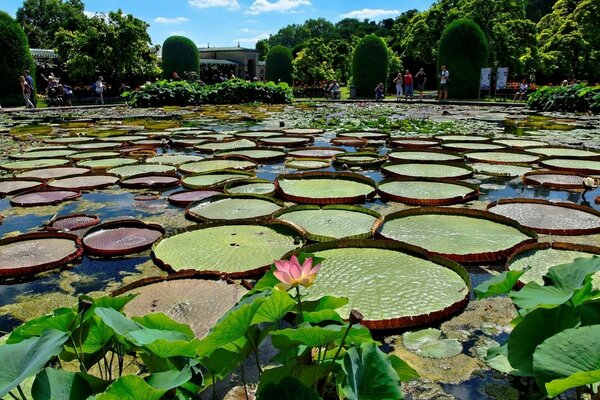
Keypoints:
(28, 297)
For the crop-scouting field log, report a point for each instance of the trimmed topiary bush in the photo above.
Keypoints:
(179, 54)
(15, 58)
(369, 65)
(279, 65)
(464, 51)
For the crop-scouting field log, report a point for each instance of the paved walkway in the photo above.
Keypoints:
(391, 99)
(63, 108)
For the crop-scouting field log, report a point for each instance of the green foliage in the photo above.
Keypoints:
(179, 54)
(232, 91)
(463, 50)
(15, 58)
(312, 64)
(369, 65)
(42, 19)
(279, 65)
(536, 9)
(555, 339)
(575, 98)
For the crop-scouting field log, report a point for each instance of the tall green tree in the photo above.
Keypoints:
(42, 19)
(369, 65)
(279, 65)
(116, 45)
(262, 46)
(313, 63)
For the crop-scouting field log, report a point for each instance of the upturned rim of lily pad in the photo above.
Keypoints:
(591, 171)
(189, 214)
(16, 201)
(529, 180)
(41, 183)
(348, 141)
(184, 203)
(468, 170)
(281, 154)
(313, 148)
(220, 184)
(35, 269)
(326, 163)
(291, 140)
(243, 182)
(173, 181)
(370, 134)
(376, 158)
(471, 156)
(93, 221)
(400, 322)
(473, 195)
(123, 223)
(411, 142)
(459, 156)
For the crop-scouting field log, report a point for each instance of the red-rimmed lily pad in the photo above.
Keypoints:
(199, 167)
(325, 188)
(225, 145)
(231, 249)
(316, 152)
(462, 138)
(44, 198)
(72, 222)
(52, 173)
(394, 285)
(92, 155)
(173, 159)
(551, 218)
(475, 146)
(257, 154)
(34, 164)
(107, 163)
(426, 170)
(257, 134)
(307, 163)
(233, 207)
(286, 141)
(214, 179)
(414, 142)
(184, 198)
(425, 156)
(520, 143)
(349, 141)
(564, 152)
(10, 186)
(184, 297)
(359, 159)
(572, 164)
(40, 154)
(369, 135)
(500, 169)
(427, 192)
(119, 238)
(322, 224)
(151, 180)
(502, 157)
(462, 235)
(555, 180)
(250, 186)
(128, 171)
(33, 253)
(84, 182)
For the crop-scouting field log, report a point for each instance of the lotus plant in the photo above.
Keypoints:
(292, 274)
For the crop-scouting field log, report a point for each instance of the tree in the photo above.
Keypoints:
(262, 46)
(341, 56)
(312, 64)
(115, 45)
(463, 50)
(279, 65)
(289, 36)
(42, 19)
(369, 65)
(536, 9)
(15, 58)
(179, 55)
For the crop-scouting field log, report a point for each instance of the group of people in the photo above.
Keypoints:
(27, 89)
(57, 93)
(407, 82)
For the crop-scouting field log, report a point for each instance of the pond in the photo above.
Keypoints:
(332, 171)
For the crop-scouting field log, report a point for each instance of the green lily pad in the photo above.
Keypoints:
(472, 146)
(84, 182)
(426, 170)
(414, 143)
(316, 152)
(572, 164)
(237, 250)
(370, 135)
(501, 157)
(36, 155)
(198, 167)
(124, 138)
(225, 145)
(15, 185)
(427, 192)
(34, 164)
(500, 169)
(303, 131)
(390, 283)
(250, 186)
(52, 173)
(564, 152)
(173, 159)
(21, 132)
(69, 140)
(214, 179)
(286, 141)
(359, 159)
(257, 134)
(463, 235)
(95, 146)
(259, 154)
(332, 222)
(127, 171)
(92, 155)
(520, 143)
(430, 155)
(241, 207)
(413, 341)
(463, 138)
(325, 187)
(554, 179)
(106, 163)
(427, 343)
(307, 163)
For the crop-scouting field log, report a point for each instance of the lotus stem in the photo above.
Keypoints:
(299, 300)
(355, 317)
(244, 381)
(13, 396)
(21, 392)
(256, 358)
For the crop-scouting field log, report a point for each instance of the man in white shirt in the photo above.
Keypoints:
(444, 78)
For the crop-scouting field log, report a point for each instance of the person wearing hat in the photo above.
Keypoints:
(99, 88)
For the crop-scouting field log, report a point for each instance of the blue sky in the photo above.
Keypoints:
(225, 22)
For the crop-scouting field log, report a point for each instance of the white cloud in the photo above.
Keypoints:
(370, 13)
(246, 30)
(89, 14)
(165, 20)
(228, 4)
(251, 41)
(280, 5)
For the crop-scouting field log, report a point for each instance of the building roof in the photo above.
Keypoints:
(217, 49)
(217, 62)
(43, 53)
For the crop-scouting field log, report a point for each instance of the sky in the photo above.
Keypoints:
(229, 22)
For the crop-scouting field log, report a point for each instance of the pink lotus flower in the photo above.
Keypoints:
(291, 273)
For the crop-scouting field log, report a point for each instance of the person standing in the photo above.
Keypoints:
(444, 78)
(398, 82)
(29, 80)
(26, 90)
(99, 88)
(408, 85)
(379, 92)
(421, 79)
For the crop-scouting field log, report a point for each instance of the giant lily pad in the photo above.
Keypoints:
(52, 173)
(214, 179)
(359, 159)
(32, 253)
(316, 152)
(198, 303)
(15, 185)
(258, 154)
(554, 179)
(426, 170)
(520, 143)
(463, 235)
(68, 140)
(250, 186)
(413, 143)
(307, 163)
(369, 135)
(84, 182)
(390, 283)
(151, 181)
(37, 155)
(573, 165)
(106, 163)
(199, 167)
(471, 146)
(257, 134)
(348, 141)
(549, 217)
(536, 259)
(225, 145)
(427, 192)
(72, 222)
(127, 171)
(304, 131)
(236, 250)
(332, 222)
(34, 164)
(424, 155)
(463, 138)
(91, 155)
(564, 152)
(499, 169)
(173, 159)
(184, 198)
(44, 198)
(120, 238)
(286, 141)
(95, 146)
(502, 157)
(235, 207)
(325, 187)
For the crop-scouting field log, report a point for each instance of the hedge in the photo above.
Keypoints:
(279, 65)
(369, 65)
(179, 54)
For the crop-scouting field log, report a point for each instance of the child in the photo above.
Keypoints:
(379, 92)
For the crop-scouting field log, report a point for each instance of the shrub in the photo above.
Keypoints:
(463, 50)
(14, 59)
(369, 65)
(576, 98)
(233, 91)
(279, 65)
(179, 54)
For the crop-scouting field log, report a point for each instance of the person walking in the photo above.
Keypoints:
(99, 88)
(398, 82)
(26, 90)
(379, 92)
(29, 80)
(408, 86)
(421, 79)
(444, 78)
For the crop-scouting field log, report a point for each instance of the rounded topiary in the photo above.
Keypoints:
(464, 51)
(15, 58)
(179, 54)
(369, 65)
(279, 65)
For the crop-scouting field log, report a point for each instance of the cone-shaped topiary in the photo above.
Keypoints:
(369, 65)
(15, 58)
(179, 54)
(464, 51)
(279, 65)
